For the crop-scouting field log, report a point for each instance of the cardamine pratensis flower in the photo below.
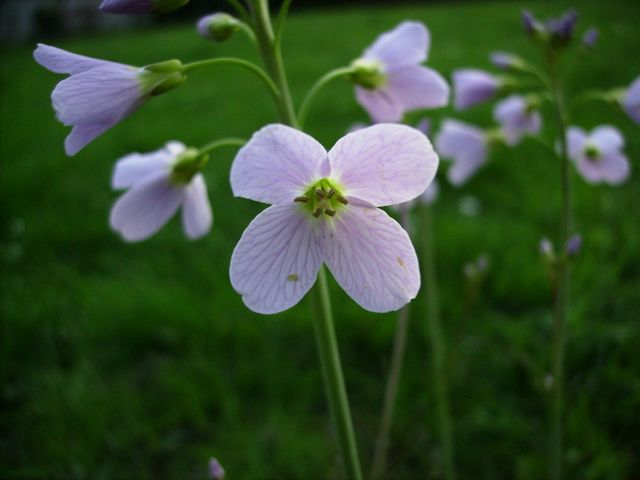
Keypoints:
(517, 116)
(218, 26)
(216, 472)
(325, 209)
(467, 145)
(159, 183)
(598, 156)
(389, 78)
(99, 94)
(630, 100)
(473, 86)
(141, 6)
(506, 61)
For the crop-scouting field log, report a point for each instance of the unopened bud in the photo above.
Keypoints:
(141, 6)
(507, 61)
(218, 26)
(573, 245)
(546, 249)
(216, 472)
(590, 37)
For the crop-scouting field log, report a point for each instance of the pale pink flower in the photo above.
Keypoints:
(473, 86)
(598, 156)
(158, 184)
(390, 80)
(324, 209)
(517, 118)
(466, 145)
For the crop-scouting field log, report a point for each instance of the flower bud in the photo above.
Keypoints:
(507, 61)
(141, 6)
(216, 472)
(218, 26)
(590, 37)
(163, 76)
(367, 73)
(574, 245)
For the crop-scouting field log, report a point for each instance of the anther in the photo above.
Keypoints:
(330, 212)
(342, 200)
(319, 193)
(331, 193)
(301, 199)
(318, 212)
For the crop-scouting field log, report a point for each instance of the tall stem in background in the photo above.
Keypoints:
(391, 393)
(562, 292)
(437, 347)
(323, 322)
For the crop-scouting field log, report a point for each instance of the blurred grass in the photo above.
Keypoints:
(139, 361)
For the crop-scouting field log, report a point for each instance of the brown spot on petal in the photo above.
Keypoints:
(293, 277)
(400, 262)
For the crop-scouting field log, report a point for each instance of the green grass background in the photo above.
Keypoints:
(139, 361)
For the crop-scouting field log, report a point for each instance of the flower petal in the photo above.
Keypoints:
(384, 164)
(61, 61)
(466, 145)
(141, 211)
(372, 258)
(614, 168)
(379, 104)
(418, 87)
(608, 139)
(631, 100)
(575, 142)
(277, 259)
(276, 164)
(407, 44)
(135, 167)
(98, 96)
(127, 6)
(473, 86)
(196, 209)
(82, 135)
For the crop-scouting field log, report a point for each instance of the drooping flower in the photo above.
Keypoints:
(218, 26)
(158, 184)
(389, 78)
(598, 156)
(631, 100)
(99, 94)
(324, 209)
(466, 145)
(506, 60)
(141, 6)
(517, 116)
(472, 86)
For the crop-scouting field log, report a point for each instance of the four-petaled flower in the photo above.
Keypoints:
(598, 156)
(324, 209)
(159, 183)
(390, 80)
(99, 93)
(517, 117)
(466, 145)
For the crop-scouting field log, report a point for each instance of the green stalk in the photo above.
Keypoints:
(437, 348)
(323, 323)
(326, 78)
(391, 393)
(222, 142)
(562, 291)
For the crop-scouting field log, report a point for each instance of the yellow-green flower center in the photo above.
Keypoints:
(322, 198)
(369, 74)
(591, 152)
(186, 165)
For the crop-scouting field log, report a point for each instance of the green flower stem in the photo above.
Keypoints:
(333, 379)
(562, 289)
(397, 359)
(275, 92)
(437, 347)
(222, 142)
(323, 323)
(240, 10)
(322, 81)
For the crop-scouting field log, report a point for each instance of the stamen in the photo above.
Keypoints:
(331, 193)
(318, 212)
(342, 200)
(301, 199)
(320, 193)
(329, 212)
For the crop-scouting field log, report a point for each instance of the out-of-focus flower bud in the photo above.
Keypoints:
(507, 61)
(475, 271)
(218, 26)
(216, 472)
(590, 37)
(562, 28)
(141, 6)
(546, 250)
(574, 245)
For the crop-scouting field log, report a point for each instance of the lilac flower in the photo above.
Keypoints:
(598, 156)
(159, 183)
(218, 26)
(562, 28)
(141, 6)
(506, 60)
(324, 209)
(517, 117)
(216, 472)
(631, 100)
(472, 86)
(427, 198)
(99, 93)
(590, 37)
(390, 80)
(529, 22)
(466, 145)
